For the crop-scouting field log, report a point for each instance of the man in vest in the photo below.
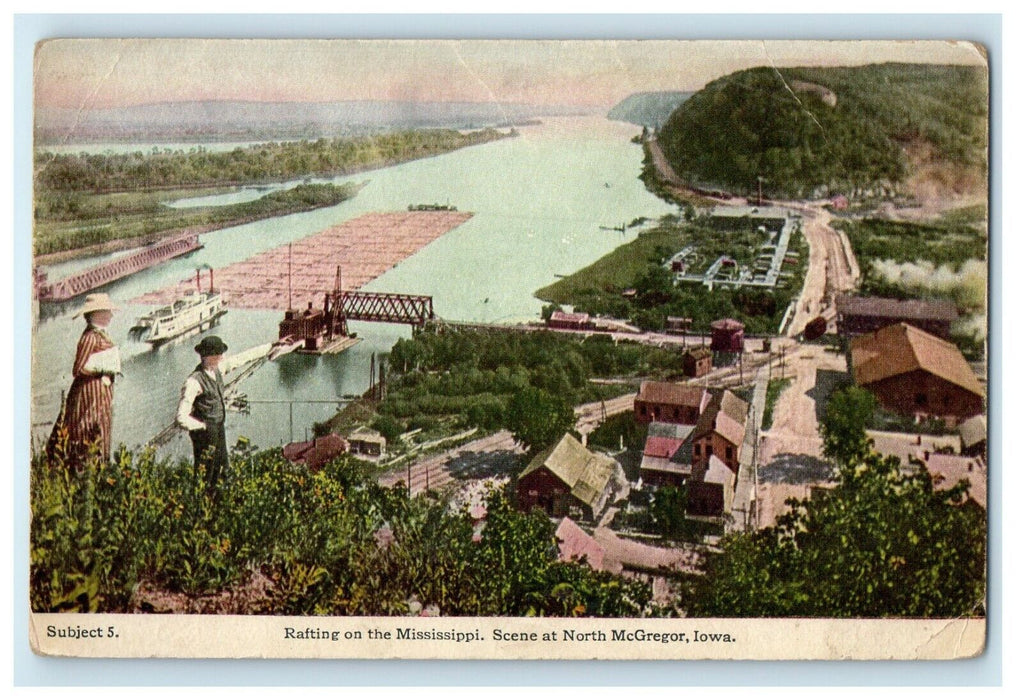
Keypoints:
(202, 409)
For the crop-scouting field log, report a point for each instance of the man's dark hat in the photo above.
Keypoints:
(211, 345)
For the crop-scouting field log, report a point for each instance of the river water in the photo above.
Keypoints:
(539, 202)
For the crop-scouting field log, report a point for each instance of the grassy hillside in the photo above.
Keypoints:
(831, 129)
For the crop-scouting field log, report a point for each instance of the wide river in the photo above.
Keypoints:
(539, 201)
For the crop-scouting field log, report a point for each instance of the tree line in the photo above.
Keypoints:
(84, 172)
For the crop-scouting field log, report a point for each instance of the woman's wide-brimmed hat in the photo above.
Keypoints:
(99, 301)
(211, 345)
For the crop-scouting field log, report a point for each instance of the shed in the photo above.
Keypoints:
(697, 361)
(677, 325)
(368, 442)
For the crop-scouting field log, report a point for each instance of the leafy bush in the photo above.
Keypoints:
(333, 542)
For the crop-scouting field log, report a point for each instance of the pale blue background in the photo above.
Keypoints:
(31, 670)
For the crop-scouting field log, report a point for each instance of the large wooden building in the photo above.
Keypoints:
(569, 477)
(668, 402)
(860, 315)
(915, 373)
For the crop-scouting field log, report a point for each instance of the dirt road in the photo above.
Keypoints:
(832, 269)
(794, 426)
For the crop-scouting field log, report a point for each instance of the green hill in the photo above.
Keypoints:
(649, 109)
(818, 130)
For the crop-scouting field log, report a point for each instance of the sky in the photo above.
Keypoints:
(105, 73)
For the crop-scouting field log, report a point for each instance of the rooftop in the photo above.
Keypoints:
(897, 308)
(732, 212)
(672, 394)
(661, 446)
(572, 317)
(574, 544)
(948, 470)
(585, 473)
(902, 348)
(974, 430)
(727, 324)
(725, 415)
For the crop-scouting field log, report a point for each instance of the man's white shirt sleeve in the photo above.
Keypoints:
(189, 391)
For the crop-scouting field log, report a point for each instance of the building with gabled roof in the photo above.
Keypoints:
(697, 361)
(719, 432)
(669, 402)
(660, 465)
(367, 442)
(859, 315)
(567, 476)
(570, 321)
(317, 452)
(915, 373)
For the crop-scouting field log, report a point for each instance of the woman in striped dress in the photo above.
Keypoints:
(88, 410)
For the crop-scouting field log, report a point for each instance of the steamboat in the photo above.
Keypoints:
(197, 310)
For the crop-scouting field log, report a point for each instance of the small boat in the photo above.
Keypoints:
(195, 310)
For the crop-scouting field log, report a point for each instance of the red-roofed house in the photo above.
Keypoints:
(658, 467)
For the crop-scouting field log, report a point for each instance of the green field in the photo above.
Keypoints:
(127, 216)
(639, 265)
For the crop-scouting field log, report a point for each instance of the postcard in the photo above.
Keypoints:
(509, 349)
